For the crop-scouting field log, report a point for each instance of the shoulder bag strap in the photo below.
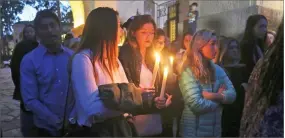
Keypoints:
(69, 70)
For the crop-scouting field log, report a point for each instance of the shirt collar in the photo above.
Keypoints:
(45, 50)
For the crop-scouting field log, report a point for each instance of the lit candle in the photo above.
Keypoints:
(163, 83)
(155, 69)
(171, 59)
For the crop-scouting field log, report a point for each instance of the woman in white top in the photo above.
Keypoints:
(96, 63)
(133, 58)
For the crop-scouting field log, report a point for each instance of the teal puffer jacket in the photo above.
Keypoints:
(202, 117)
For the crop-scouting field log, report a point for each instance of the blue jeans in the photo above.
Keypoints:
(28, 128)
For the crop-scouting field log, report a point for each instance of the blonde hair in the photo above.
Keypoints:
(200, 66)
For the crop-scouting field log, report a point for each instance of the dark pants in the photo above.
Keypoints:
(45, 133)
(192, 28)
(28, 128)
(114, 127)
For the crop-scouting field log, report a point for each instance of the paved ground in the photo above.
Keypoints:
(9, 108)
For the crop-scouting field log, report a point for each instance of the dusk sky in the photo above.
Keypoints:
(29, 12)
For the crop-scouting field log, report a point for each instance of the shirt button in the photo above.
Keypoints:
(61, 93)
(56, 69)
(59, 81)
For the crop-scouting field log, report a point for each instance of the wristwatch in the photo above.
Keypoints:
(72, 120)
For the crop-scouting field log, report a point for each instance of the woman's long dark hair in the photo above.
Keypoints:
(272, 80)
(249, 40)
(24, 31)
(249, 37)
(137, 23)
(248, 44)
(100, 35)
(159, 32)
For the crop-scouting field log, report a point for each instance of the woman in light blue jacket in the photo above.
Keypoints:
(205, 87)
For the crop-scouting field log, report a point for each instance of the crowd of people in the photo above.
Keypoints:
(91, 87)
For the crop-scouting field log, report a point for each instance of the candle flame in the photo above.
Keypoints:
(171, 60)
(157, 57)
(165, 71)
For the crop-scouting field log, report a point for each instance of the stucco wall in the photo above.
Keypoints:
(130, 8)
(149, 8)
(272, 4)
(273, 16)
(126, 9)
(228, 23)
(229, 17)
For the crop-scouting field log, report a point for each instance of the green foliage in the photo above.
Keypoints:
(66, 13)
(9, 11)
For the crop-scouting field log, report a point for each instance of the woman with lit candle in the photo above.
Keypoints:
(205, 88)
(158, 46)
(133, 58)
(173, 112)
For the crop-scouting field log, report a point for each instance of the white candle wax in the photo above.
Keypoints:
(162, 92)
(171, 60)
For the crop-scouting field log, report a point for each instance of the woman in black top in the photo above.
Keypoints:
(229, 59)
(253, 43)
(263, 114)
(28, 43)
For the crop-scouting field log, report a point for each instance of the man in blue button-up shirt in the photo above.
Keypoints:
(44, 76)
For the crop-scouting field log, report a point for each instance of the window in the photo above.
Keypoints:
(172, 12)
(173, 21)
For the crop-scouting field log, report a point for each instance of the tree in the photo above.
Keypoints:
(9, 11)
(8, 16)
(66, 13)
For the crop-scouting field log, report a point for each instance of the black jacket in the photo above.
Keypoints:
(20, 51)
(131, 61)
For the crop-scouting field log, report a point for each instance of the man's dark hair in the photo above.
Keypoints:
(194, 4)
(45, 14)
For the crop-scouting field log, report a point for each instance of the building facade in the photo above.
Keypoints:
(126, 9)
(226, 17)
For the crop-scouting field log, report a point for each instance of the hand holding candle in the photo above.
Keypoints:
(165, 73)
(155, 69)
